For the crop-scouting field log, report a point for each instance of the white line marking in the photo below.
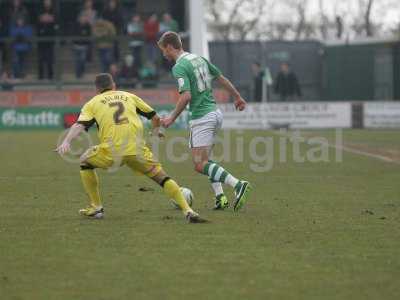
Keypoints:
(344, 148)
(368, 154)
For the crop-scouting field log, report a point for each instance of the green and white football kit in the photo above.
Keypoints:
(195, 74)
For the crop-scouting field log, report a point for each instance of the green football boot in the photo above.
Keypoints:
(242, 190)
(221, 202)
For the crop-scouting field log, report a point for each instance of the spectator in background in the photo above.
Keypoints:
(6, 82)
(258, 78)
(46, 28)
(127, 75)
(135, 31)
(89, 12)
(168, 24)
(286, 84)
(21, 35)
(115, 73)
(148, 75)
(81, 47)
(112, 13)
(339, 27)
(105, 33)
(129, 72)
(3, 35)
(18, 11)
(151, 30)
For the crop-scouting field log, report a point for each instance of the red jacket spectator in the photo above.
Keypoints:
(151, 29)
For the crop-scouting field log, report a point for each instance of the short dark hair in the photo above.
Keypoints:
(170, 38)
(104, 82)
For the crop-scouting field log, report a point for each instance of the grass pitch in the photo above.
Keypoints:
(323, 230)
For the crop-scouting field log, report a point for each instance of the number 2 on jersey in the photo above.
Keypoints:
(118, 120)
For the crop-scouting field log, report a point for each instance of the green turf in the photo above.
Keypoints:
(309, 231)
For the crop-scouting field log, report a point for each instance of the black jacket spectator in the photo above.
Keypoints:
(3, 35)
(286, 84)
(258, 82)
(17, 11)
(113, 14)
(83, 29)
(46, 28)
(82, 46)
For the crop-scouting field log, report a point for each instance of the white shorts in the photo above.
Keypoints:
(204, 129)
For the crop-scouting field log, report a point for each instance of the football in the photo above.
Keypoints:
(187, 193)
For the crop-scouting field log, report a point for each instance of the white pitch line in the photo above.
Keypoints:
(364, 153)
(348, 149)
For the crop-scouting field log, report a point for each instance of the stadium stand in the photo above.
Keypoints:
(38, 47)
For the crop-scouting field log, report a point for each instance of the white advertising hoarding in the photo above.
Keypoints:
(382, 115)
(292, 115)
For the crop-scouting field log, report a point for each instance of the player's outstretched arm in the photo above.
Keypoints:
(73, 132)
(157, 130)
(239, 102)
(183, 100)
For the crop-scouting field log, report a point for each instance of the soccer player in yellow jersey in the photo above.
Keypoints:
(120, 131)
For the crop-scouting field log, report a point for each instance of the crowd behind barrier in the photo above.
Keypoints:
(121, 42)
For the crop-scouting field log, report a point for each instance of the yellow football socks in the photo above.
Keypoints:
(91, 185)
(171, 188)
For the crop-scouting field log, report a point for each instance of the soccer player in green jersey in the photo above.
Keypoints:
(194, 75)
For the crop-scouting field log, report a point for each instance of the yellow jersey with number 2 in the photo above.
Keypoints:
(116, 114)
